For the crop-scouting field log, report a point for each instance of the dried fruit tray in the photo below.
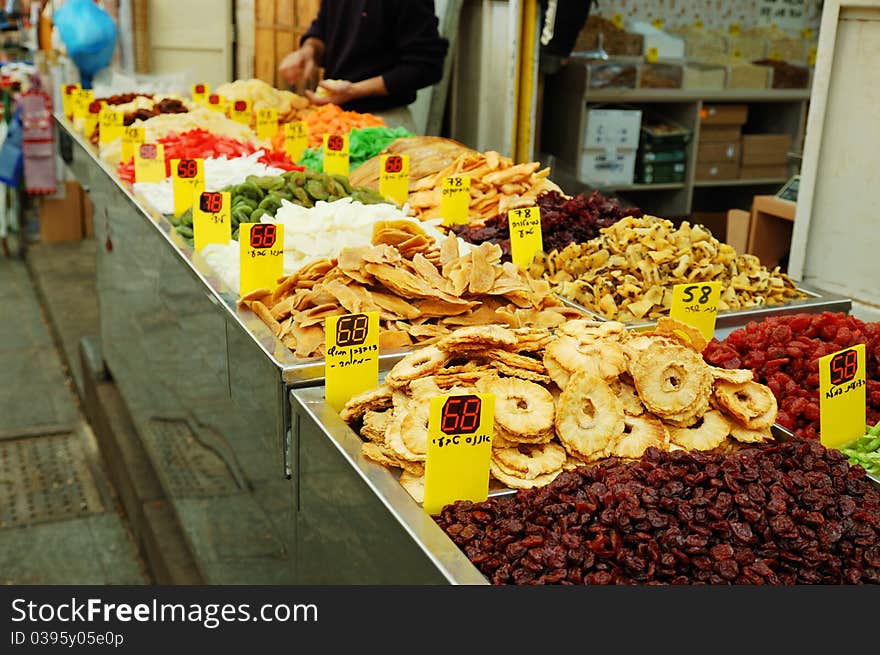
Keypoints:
(784, 434)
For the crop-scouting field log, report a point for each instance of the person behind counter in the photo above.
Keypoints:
(376, 54)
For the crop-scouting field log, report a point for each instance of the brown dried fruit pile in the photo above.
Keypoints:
(784, 513)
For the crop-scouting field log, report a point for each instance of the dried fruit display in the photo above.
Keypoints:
(784, 351)
(421, 289)
(579, 394)
(563, 221)
(865, 451)
(289, 105)
(329, 119)
(780, 513)
(427, 155)
(628, 272)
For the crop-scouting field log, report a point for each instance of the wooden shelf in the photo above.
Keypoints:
(756, 181)
(670, 186)
(694, 95)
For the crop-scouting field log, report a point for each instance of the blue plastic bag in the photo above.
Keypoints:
(89, 34)
(11, 158)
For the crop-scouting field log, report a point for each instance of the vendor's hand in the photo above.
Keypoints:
(337, 92)
(299, 66)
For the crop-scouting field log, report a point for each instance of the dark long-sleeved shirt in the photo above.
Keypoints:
(396, 39)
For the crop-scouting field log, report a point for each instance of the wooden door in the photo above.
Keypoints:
(278, 27)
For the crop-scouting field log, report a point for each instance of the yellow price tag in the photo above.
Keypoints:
(351, 360)
(296, 139)
(132, 138)
(240, 111)
(697, 305)
(267, 123)
(110, 123)
(455, 200)
(187, 178)
(734, 29)
(842, 396)
(652, 55)
(81, 103)
(336, 160)
(525, 235)
(811, 57)
(658, 23)
(200, 93)
(217, 103)
(617, 21)
(774, 55)
(460, 432)
(212, 218)
(90, 121)
(149, 163)
(807, 33)
(69, 95)
(394, 177)
(261, 248)
(736, 53)
(698, 24)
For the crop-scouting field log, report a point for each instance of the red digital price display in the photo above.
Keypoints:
(70, 88)
(214, 99)
(240, 105)
(352, 330)
(844, 367)
(95, 107)
(461, 415)
(200, 88)
(147, 151)
(211, 202)
(263, 235)
(187, 169)
(394, 164)
(335, 143)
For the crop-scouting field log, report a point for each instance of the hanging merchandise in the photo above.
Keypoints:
(11, 159)
(89, 34)
(38, 143)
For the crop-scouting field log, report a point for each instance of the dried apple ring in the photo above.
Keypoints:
(420, 363)
(640, 433)
(706, 435)
(670, 378)
(530, 460)
(523, 410)
(753, 404)
(589, 417)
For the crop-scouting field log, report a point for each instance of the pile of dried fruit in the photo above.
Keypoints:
(865, 451)
(563, 221)
(264, 96)
(329, 119)
(497, 185)
(784, 352)
(427, 155)
(363, 144)
(580, 394)
(628, 272)
(783, 513)
(421, 291)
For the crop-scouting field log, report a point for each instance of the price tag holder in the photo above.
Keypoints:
(267, 123)
(240, 111)
(394, 178)
(200, 93)
(460, 432)
(149, 163)
(69, 95)
(525, 235)
(188, 178)
(352, 356)
(91, 119)
(217, 103)
(132, 138)
(296, 139)
(262, 255)
(455, 200)
(652, 56)
(81, 102)
(212, 218)
(842, 396)
(697, 305)
(111, 123)
(336, 160)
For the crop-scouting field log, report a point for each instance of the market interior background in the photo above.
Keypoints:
(85, 499)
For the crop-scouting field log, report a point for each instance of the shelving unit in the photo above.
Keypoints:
(566, 99)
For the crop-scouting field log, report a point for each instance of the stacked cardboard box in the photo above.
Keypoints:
(764, 155)
(662, 153)
(718, 151)
(609, 155)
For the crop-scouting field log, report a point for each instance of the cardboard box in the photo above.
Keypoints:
(737, 232)
(703, 76)
(717, 171)
(724, 114)
(612, 128)
(719, 133)
(779, 171)
(765, 149)
(664, 173)
(610, 166)
(61, 217)
(87, 211)
(718, 151)
(770, 230)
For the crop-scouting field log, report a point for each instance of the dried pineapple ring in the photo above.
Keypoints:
(688, 336)
(632, 405)
(744, 435)
(420, 363)
(640, 433)
(523, 410)
(736, 375)
(480, 336)
(529, 461)
(589, 417)
(521, 483)
(374, 399)
(414, 429)
(710, 434)
(753, 404)
(670, 378)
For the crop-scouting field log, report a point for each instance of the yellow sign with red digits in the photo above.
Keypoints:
(697, 305)
(526, 240)
(351, 356)
(240, 111)
(132, 138)
(261, 248)
(187, 178)
(336, 160)
(652, 56)
(69, 93)
(81, 103)
(455, 201)
(212, 218)
(149, 163)
(200, 93)
(460, 433)
(267, 123)
(217, 103)
(842, 396)
(296, 139)
(93, 110)
(394, 178)
(111, 123)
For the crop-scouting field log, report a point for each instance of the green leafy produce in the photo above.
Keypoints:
(865, 451)
(363, 143)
